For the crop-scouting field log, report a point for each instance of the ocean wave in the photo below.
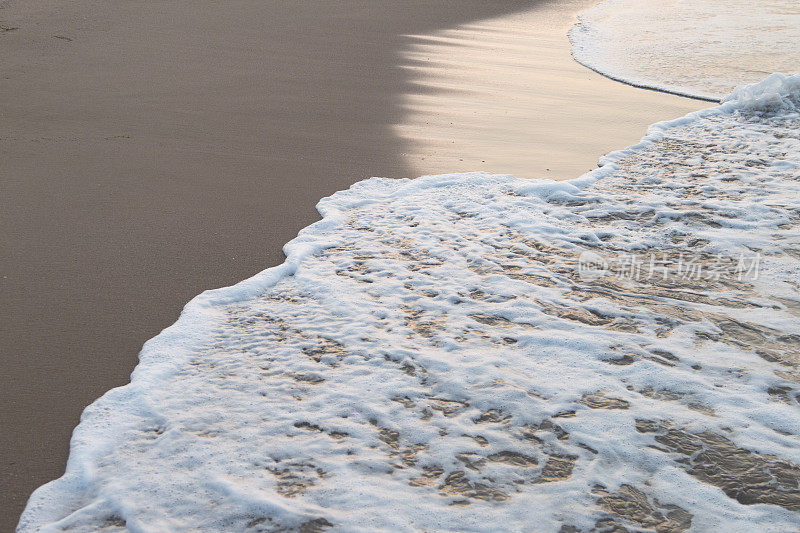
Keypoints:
(697, 49)
(479, 352)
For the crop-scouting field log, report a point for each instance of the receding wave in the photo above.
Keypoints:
(701, 49)
(478, 352)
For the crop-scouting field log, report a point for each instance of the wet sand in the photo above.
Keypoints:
(505, 96)
(150, 152)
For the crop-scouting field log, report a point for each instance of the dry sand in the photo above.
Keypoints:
(151, 150)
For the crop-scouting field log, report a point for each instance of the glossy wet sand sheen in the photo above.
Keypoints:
(505, 96)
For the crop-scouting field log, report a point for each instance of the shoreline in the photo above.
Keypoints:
(631, 83)
(134, 187)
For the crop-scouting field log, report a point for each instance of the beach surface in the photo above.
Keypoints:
(505, 96)
(151, 152)
(454, 352)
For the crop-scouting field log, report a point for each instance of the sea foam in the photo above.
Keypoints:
(699, 49)
(435, 354)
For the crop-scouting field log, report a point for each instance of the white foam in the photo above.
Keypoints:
(699, 49)
(433, 328)
(778, 93)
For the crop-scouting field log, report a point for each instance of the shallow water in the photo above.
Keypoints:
(702, 49)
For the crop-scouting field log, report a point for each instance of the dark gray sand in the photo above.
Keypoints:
(150, 151)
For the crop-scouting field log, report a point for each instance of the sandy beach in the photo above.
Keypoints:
(505, 96)
(153, 151)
